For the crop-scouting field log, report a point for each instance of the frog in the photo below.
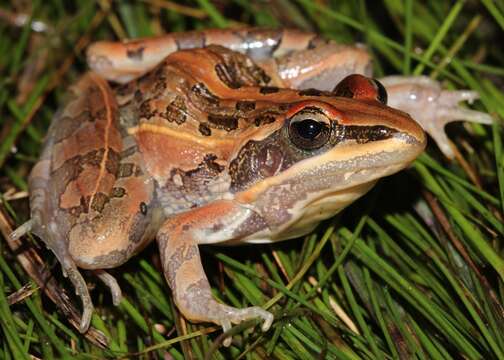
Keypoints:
(220, 137)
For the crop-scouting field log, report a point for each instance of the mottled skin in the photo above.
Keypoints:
(201, 144)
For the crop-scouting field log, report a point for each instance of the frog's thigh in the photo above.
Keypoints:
(86, 193)
(321, 67)
(121, 222)
(178, 241)
(124, 61)
(104, 199)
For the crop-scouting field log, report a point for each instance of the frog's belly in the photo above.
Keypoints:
(308, 214)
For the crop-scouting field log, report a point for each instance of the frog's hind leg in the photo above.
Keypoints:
(126, 60)
(91, 201)
(321, 67)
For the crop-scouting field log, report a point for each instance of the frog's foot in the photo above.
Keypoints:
(70, 271)
(431, 106)
(221, 314)
(226, 315)
(178, 241)
(111, 283)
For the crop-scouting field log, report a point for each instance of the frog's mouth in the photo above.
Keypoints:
(319, 188)
(354, 164)
(322, 196)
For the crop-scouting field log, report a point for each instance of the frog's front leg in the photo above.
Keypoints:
(431, 106)
(178, 241)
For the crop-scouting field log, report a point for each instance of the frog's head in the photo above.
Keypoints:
(321, 154)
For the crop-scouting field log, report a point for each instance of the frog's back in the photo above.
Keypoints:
(190, 116)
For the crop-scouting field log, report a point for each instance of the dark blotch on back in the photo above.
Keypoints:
(99, 201)
(310, 92)
(227, 77)
(245, 106)
(125, 170)
(236, 70)
(136, 54)
(145, 111)
(82, 208)
(203, 94)
(223, 122)
(268, 90)
(154, 80)
(204, 129)
(118, 192)
(176, 111)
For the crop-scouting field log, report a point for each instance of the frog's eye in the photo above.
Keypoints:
(309, 129)
(361, 88)
(381, 93)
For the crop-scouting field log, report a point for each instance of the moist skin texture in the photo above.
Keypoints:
(197, 143)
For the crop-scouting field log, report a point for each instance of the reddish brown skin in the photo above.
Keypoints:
(190, 148)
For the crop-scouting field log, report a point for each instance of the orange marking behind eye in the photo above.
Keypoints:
(329, 110)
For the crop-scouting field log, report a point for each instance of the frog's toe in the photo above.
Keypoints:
(236, 316)
(87, 314)
(226, 326)
(230, 315)
(449, 109)
(112, 284)
(446, 110)
(22, 230)
(453, 97)
(82, 291)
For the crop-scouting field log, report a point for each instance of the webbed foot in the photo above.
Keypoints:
(431, 106)
(227, 315)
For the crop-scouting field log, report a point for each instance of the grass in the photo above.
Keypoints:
(413, 270)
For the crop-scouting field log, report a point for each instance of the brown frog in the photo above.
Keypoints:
(221, 136)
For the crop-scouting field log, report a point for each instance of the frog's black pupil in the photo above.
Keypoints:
(382, 93)
(308, 128)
